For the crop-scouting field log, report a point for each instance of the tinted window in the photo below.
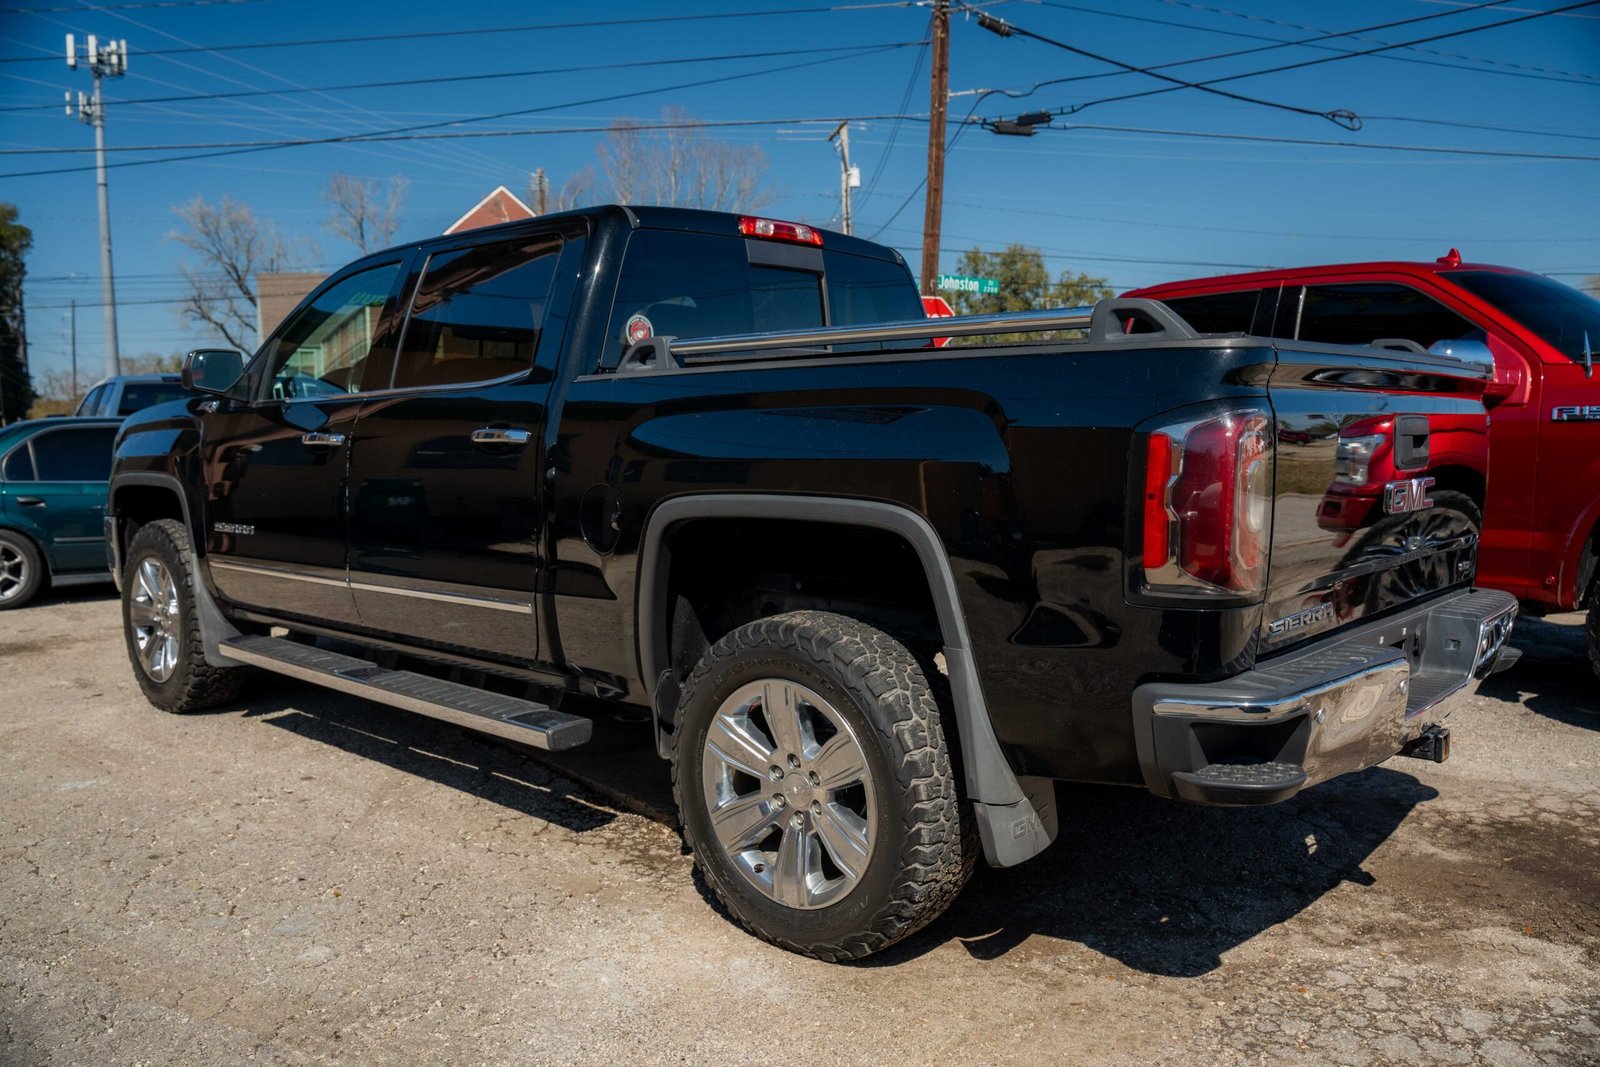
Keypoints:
(1361, 314)
(1561, 316)
(19, 465)
(697, 285)
(136, 396)
(477, 313)
(90, 405)
(863, 290)
(785, 299)
(1218, 312)
(323, 350)
(74, 455)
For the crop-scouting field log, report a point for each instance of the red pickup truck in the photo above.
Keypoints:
(1541, 535)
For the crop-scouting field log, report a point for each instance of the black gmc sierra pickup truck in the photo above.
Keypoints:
(877, 594)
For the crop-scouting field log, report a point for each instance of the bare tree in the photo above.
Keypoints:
(363, 213)
(680, 165)
(233, 246)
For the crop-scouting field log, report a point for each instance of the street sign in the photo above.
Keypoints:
(961, 283)
(937, 307)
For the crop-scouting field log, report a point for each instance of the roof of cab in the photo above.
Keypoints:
(688, 220)
(1287, 275)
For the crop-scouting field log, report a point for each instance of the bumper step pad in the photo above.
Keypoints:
(519, 720)
(1240, 783)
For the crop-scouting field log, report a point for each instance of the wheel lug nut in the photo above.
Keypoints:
(794, 761)
(813, 779)
(778, 801)
(816, 807)
(797, 821)
(774, 772)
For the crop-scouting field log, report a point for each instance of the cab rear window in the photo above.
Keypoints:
(701, 285)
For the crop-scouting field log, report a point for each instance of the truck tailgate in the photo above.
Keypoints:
(1381, 463)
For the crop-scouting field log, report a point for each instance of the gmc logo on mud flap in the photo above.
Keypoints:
(1408, 495)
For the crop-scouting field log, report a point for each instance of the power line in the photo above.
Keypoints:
(1210, 82)
(349, 86)
(1341, 117)
(1433, 149)
(497, 30)
(468, 134)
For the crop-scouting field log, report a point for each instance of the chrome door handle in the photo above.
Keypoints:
(493, 435)
(31, 501)
(322, 440)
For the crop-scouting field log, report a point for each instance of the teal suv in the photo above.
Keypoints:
(53, 475)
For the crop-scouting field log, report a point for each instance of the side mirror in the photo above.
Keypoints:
(1473, 353)
(212, 370)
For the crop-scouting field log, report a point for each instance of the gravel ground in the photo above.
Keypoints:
(305, 877)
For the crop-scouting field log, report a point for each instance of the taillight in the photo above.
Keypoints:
(773, 230)
(1208, 504)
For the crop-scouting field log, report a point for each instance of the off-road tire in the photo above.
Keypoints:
(194, 685)
(33, 576)
(926, 844)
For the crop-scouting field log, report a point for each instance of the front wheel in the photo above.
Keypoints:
(815, 785)
(162, 626)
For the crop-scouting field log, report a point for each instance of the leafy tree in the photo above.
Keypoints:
(363, 213)
(16, 387)
(233, 247)
(1025, 285)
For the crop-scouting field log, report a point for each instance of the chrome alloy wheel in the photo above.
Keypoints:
(153, 614)
(789, 793)
(13, 571)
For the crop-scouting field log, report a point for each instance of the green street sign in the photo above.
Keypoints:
(960, 283)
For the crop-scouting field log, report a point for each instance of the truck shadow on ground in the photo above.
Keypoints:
(484, 767)
(1167, 888)
(1162, 887)
(1553, 678)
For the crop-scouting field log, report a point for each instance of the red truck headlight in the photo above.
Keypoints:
(1208, 505)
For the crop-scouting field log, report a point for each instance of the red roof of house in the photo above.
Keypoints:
(499, 206)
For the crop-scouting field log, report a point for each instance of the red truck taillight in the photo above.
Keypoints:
(1208, 504)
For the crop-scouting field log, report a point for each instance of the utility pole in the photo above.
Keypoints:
(939, 104)
(541, 190)
(73, 303)
(849, 177)
(108, 61)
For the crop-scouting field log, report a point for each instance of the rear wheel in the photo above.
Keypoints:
(1593, 628)
(21, 570)
(815, 785)
(162, 627)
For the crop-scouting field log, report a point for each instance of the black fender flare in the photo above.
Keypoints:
(1016, 816)
(214, 626)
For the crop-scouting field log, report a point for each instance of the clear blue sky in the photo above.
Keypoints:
(1135, 207)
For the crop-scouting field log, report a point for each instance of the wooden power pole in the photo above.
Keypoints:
(939, 104)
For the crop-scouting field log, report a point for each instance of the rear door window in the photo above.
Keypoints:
(477, 313)
(19, 465)
(77, 455)
(1218, 312)
(90, 405)
(1359, 314)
